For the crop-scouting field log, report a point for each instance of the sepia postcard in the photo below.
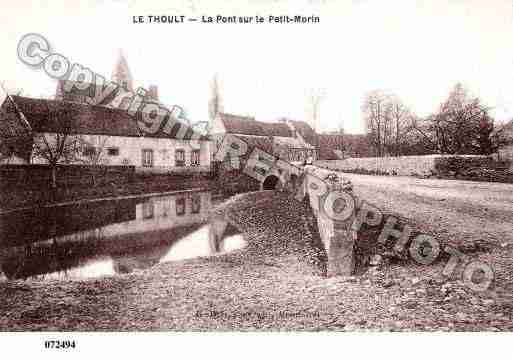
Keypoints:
(255, 166)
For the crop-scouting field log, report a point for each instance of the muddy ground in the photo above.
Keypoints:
(277, 282)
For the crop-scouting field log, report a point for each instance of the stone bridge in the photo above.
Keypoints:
(334, 205)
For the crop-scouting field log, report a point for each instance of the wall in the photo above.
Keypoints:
(401, 166)
(38, 176)
(506, 153)
(338, 236)
(13, 160)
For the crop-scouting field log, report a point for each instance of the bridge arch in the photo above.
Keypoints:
(271, 182)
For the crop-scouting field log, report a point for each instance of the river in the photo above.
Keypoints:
(104, 238)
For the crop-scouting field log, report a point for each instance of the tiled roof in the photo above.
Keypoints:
(54, 115)
(352, 145)
(291, 142)
(263, 143)
(328, 144)
(82, 93)
(357, 145)
(244, 125)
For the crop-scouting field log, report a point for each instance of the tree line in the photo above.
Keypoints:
(461, 125)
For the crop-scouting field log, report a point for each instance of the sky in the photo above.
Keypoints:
(415, 49)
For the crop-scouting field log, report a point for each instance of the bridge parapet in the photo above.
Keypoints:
(333, 202)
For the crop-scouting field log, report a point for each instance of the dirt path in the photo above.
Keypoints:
(459, 210)
(459, 213)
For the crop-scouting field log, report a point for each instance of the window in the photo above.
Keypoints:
(179, 158)
(302, 156)
(228, 161)
(180, 206)
(113, 151)
(196, 204)
(89, 151)
(147, 158)
(147, 210)
(195, 158)
(163, 154)
(165, 209)
(297, 155)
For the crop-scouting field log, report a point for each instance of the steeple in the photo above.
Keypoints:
(121, 74)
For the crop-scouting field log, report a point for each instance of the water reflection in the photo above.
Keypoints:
(106, 238)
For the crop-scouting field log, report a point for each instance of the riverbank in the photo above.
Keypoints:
(275, 283)
(13, 198)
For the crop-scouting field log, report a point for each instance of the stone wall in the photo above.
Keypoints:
(400, 166)
(35, 176)
(506, 153)
(338, 236)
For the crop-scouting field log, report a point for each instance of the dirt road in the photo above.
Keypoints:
(461, 211)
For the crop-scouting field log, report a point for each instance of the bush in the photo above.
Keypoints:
(456, 164)
(473, 168)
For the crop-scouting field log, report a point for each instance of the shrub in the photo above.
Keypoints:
(473, 168)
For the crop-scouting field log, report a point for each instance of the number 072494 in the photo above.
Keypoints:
(60, 344)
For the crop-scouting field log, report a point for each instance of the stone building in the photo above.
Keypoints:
(112, 136)
(336, 146)
(293, 141)
(109, 134)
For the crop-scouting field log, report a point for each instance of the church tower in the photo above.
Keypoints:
(121, 74)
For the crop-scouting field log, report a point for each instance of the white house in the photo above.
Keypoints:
(109, 136)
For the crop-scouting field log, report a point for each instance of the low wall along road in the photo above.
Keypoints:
(400, 166)
(334, 205)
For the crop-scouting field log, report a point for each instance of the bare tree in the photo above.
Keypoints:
(340, 128)
(374, 108)
(388, 122)
(58, 145)
(398, 125)
(93, 153)
(215, 104)
(93, 149)
(314, 99)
